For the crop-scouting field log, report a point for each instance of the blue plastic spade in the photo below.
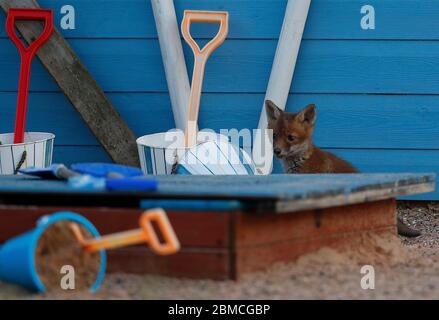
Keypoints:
(106, 170)
(97, 176)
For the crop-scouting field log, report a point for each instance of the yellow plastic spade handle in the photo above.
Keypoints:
(146, 234)
(200, 56)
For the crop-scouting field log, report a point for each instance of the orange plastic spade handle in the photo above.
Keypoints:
(146, 234)
(190, 16)
(200, 56)
(171, 244)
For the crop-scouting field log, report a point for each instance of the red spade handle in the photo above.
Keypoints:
(26, 55)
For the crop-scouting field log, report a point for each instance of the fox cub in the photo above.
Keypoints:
(293, 144)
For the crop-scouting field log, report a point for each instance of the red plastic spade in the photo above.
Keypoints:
(26, 54)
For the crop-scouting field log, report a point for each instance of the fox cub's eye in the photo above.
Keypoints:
(291, 138)
(274, 136)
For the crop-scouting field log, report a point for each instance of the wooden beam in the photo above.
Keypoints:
(81, 89)
(281, 77)
(279, 192)
(173, 59)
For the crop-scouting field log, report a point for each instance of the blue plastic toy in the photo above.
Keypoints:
(97, 177)
(106, 170)
(17, 256)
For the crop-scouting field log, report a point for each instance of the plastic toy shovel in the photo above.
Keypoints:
(145, 234)
(26, 54)
(195, 153)
(200, 58)
(215, 155)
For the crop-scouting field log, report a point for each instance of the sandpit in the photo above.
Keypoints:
(58, 247)
(404, 268)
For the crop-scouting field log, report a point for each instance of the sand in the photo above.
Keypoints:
(404, 269)
(58, 247)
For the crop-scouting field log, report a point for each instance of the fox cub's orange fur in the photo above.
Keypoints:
(292, 142)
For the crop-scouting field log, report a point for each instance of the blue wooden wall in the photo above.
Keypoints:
(376, 90)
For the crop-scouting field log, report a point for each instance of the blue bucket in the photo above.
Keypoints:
(17, 256)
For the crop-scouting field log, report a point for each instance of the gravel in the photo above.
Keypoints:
(404, 269)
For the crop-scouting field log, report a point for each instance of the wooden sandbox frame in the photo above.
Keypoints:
(228, 226)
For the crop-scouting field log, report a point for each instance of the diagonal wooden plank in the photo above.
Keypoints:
(81, 89)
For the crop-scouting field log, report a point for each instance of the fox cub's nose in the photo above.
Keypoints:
(277, 151)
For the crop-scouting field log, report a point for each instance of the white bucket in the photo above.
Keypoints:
(214, 155)
(36, 151)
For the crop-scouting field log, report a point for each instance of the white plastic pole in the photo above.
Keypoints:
(173, 59)
(281, 76)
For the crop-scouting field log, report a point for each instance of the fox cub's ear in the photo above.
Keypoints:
(308, 115)
(273, 111)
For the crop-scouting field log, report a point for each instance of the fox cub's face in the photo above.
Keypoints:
(292, 132)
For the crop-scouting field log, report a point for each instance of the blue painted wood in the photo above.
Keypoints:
(341, 68)
(284, 187)
(76, 154)
(395, 161)
(380, 161)
(390, 67)
(256, 19)
(344, 121)
(193, 205)
(262, 188)
(367, 161)
(52, 112)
